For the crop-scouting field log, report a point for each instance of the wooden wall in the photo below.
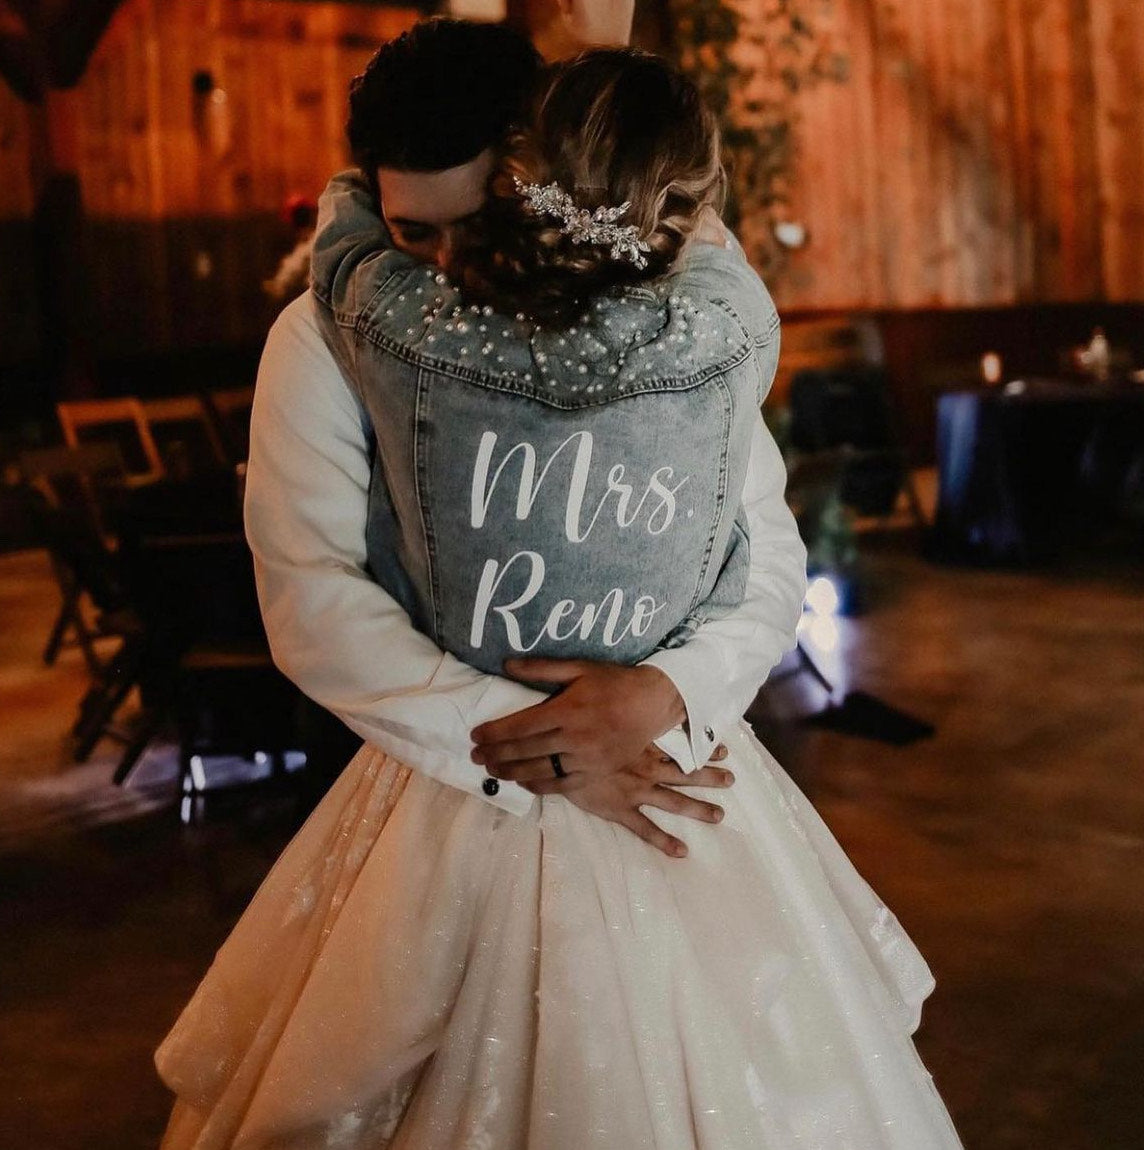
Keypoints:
(16, 193)
(981, 152)
(182, 192)
(149, 147)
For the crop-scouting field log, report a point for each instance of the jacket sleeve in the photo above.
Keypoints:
(353, 254)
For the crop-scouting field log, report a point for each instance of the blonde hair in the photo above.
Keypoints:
(609, 126)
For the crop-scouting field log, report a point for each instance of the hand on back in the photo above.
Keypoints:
(601, 724)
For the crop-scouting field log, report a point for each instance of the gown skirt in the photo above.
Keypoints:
(421, 970)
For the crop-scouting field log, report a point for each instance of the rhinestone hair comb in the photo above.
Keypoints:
(598, 227)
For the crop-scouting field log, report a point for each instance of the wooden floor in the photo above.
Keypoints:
(1010, 845)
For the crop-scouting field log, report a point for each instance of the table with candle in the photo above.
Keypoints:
(1028, 466)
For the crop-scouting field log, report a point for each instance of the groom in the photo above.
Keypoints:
(332, 627)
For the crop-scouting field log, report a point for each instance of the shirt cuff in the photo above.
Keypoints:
(700, 675)
(465, 775)
(499, 698)
(677, 744)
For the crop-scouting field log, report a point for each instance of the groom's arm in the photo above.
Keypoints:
(332, 629)
(350, 646)
(337, 633)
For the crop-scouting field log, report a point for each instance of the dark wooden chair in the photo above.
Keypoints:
(121, 421)
(230, 409)
(841, 418)
(205, 666)
(134, 512)
(66, 483)
(186, 435)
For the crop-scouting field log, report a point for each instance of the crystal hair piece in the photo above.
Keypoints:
(598, 227)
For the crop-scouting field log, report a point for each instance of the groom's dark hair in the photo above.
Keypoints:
(439, 95)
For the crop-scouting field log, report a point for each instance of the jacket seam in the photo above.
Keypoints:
(721, 494)
(419, 470)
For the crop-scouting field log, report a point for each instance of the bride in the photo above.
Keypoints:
(564, 426)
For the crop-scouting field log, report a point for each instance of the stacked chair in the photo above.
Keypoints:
(64, 483)
(204, 666)
(141, 513)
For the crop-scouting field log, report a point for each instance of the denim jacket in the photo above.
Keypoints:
(571, 493)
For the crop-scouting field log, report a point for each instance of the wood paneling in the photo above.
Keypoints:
(16, 198)
(152, 148)
(182, 190)
(1118, 43)
(149, 148)
(981, 152)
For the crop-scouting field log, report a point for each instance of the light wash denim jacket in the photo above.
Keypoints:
(569, 494)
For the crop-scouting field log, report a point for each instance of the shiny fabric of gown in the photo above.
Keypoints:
(422, 970)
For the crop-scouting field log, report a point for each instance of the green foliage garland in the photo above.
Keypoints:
(751, 60)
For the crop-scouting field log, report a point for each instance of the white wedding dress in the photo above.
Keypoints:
(422, 970)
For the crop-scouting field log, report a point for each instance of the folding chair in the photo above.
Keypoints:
(67, 481)
(185, 434)
(207, 666)
(105, 419)
(231, 408)
(156, 508)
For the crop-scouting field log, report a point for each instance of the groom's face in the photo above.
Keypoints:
(425, 211)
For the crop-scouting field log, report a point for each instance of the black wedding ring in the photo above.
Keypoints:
(554, 759)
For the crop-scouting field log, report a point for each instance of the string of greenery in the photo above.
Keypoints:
(751, 61)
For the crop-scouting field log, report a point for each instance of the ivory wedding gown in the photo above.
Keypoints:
(422, 970)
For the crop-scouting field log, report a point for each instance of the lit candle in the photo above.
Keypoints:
(991, 367)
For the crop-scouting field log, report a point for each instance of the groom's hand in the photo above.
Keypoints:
(650, 781)
(602, 719)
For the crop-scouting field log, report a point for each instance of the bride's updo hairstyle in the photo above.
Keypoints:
(609, 126)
